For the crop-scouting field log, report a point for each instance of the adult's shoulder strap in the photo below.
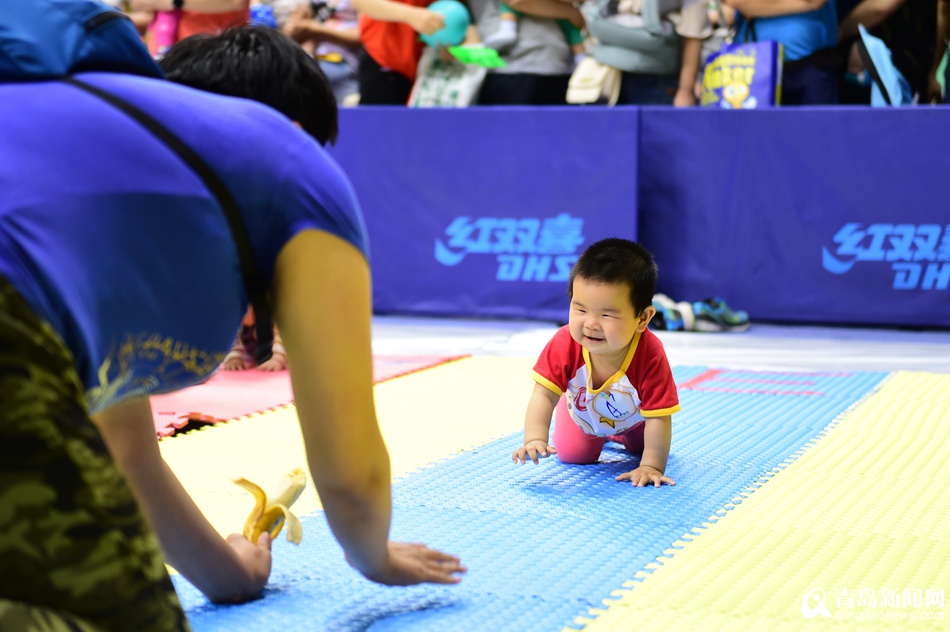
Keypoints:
(253, 281)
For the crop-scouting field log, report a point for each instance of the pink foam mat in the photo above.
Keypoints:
(233, 394)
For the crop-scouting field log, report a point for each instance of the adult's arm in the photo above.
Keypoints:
(421, 20)
(323, 305)
(870, 13)
(348, 38)
(940, 48)
(202, 6)
(471, 35)
(225, 571)
(553, 9)
(772, 8)
(689, 72)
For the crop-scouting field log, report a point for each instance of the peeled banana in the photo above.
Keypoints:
(270, 514)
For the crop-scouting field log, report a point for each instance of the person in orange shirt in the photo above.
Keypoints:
(389, 30)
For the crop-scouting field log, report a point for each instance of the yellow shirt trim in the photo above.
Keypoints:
(545, 382)
(616, 376)
(660, 412)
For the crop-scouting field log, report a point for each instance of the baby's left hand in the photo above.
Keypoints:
(277, 362)
(644, 475)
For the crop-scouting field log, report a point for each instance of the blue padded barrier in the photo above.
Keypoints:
(482, 212)
(819, 215)
(823, 215)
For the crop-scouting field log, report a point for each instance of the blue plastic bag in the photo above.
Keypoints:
(889, 86)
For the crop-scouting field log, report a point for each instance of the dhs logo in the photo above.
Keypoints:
(918, 254)
(527, 249)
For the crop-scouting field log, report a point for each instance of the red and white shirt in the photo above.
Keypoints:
(642, 388)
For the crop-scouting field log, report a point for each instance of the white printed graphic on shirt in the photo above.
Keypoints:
(614, 409)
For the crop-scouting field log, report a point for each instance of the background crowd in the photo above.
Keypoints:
(371, 49)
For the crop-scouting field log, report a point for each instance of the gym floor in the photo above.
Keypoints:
(763, 346)
(808, 463)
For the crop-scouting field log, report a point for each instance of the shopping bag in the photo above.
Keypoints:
(445, 84)
(743, 76)
(594, 82)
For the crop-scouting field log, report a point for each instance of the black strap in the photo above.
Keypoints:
(253, 282)
(751, 31)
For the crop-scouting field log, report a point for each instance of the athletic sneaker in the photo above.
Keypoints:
(658, 322)
(669, 315)
(713, 314)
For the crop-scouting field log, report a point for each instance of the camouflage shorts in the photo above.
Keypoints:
(75, 551)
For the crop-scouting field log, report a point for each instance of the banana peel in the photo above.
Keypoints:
(271, 512)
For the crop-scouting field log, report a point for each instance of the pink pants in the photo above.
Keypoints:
(573, 446)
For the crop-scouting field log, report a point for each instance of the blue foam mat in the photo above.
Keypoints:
(545, 543)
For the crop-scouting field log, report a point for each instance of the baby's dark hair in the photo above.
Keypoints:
(261, 64)
(615, 260)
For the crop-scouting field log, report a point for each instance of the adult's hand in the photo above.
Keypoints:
(255, 560)
(934, 91)
(411, 563)
(425, 21)
(685, 98)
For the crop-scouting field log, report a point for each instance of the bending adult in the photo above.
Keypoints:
(119, 278)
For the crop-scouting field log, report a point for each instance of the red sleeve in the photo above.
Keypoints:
(197, 23)
(393, 45)
(651, 375)
(558, 361)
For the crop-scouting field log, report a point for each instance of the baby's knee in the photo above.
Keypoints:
(578, 457)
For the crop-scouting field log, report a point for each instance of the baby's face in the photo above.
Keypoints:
(602, 320)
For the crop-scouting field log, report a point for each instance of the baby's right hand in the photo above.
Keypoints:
(234, 363)
(532, 450)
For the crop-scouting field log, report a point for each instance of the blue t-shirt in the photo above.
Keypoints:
(801, 34)
(118, 244)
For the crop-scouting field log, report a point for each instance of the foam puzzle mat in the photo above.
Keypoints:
(230, 395)
(801, 499)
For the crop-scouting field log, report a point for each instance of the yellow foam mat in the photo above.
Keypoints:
(424, 417)
(857, 528)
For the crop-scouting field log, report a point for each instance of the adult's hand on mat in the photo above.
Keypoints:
(411, 563)
(645, 475)
(533, 450)
(255, 560)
